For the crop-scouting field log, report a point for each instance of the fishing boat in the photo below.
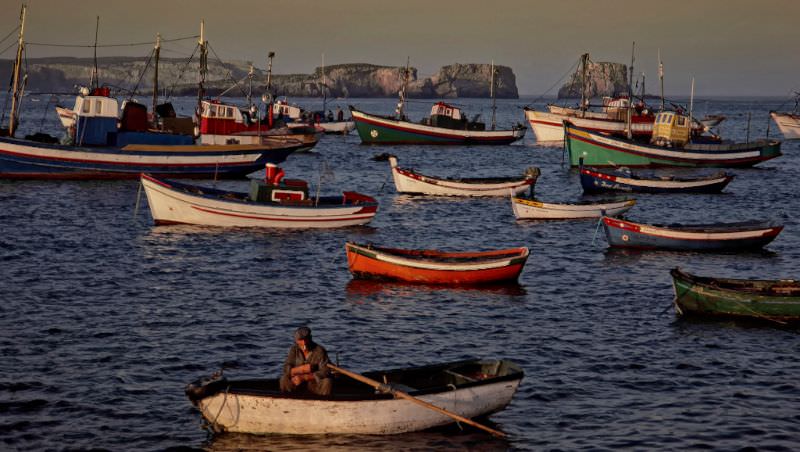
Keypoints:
(409, 181)
(433, 266)
(788, 124)
(271, 203)
(222, 123)
(468, 388)
(325, 119)
(671, 147)
(776, 300)
(618, 116)
(446, 125)
(594, 180)
(749, 235)
(295, 116)
(532, 209)
(107, 147)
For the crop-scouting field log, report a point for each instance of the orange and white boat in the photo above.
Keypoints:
(435, 267)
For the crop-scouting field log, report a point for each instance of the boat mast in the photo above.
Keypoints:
(95, 81)
(401, 104)
(250, 74)
(643, 92)
(201, 91)
(628, 131)
(324, 94)
(661, 77)
(156, 54)
(691, 105)
(270, 56)
(494, 100)
(584, 60)
(15, 100)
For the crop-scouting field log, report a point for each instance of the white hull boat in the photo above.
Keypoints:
(468, 388)
(531, 209)
(788, 124)
(176, 203)
(338, 127)
(549, 127)
(409, 181)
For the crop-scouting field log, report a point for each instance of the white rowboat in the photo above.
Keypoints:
(531, 209)
(410, 181)
(468, 388)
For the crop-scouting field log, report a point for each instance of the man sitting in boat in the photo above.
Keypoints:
(306, 366)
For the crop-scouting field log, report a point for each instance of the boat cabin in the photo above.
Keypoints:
(95, 117)
(281, 108)
(221, 119)
(450, 117)
(670, 129)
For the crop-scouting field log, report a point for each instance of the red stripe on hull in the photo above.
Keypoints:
(296, 220)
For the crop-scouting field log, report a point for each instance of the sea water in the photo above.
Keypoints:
(105, 317)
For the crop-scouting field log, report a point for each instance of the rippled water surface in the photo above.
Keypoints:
(105, 317)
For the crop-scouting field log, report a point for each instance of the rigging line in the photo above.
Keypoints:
(9, 34)
(141, 75)
(133, 44)
(569, 71)
(232, 86)
(183, 70)
(181, 53)
(229, 74)
(7, 48)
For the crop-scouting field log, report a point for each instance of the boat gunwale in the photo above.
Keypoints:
(626, 179)
(576, 207)
(516, 373)
(737, 285)
(440, 257)
(497, 182)
(712, 228)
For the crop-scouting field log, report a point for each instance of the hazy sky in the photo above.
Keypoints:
(730, 47)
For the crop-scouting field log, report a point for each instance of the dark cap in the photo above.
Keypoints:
(303, 332)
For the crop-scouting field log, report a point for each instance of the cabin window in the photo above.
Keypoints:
(229, 112)
(98, 107)
(448, 112)
(85, 107)
(681, 121)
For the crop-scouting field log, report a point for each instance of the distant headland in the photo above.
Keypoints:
(63, 74)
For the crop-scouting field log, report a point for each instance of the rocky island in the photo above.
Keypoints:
(64, 74)
(603, 79)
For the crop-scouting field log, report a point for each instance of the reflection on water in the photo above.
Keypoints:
(444, 438)
(361, 290)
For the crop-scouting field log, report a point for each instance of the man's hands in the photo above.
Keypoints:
(297, 379)
(299, 370)
(301, 374)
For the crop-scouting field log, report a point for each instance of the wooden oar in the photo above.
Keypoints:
(397, 393)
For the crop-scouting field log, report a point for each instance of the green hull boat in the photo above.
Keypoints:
(771, 300)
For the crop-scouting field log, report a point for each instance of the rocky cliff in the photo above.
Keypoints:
(603, 79)
(63, 75)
